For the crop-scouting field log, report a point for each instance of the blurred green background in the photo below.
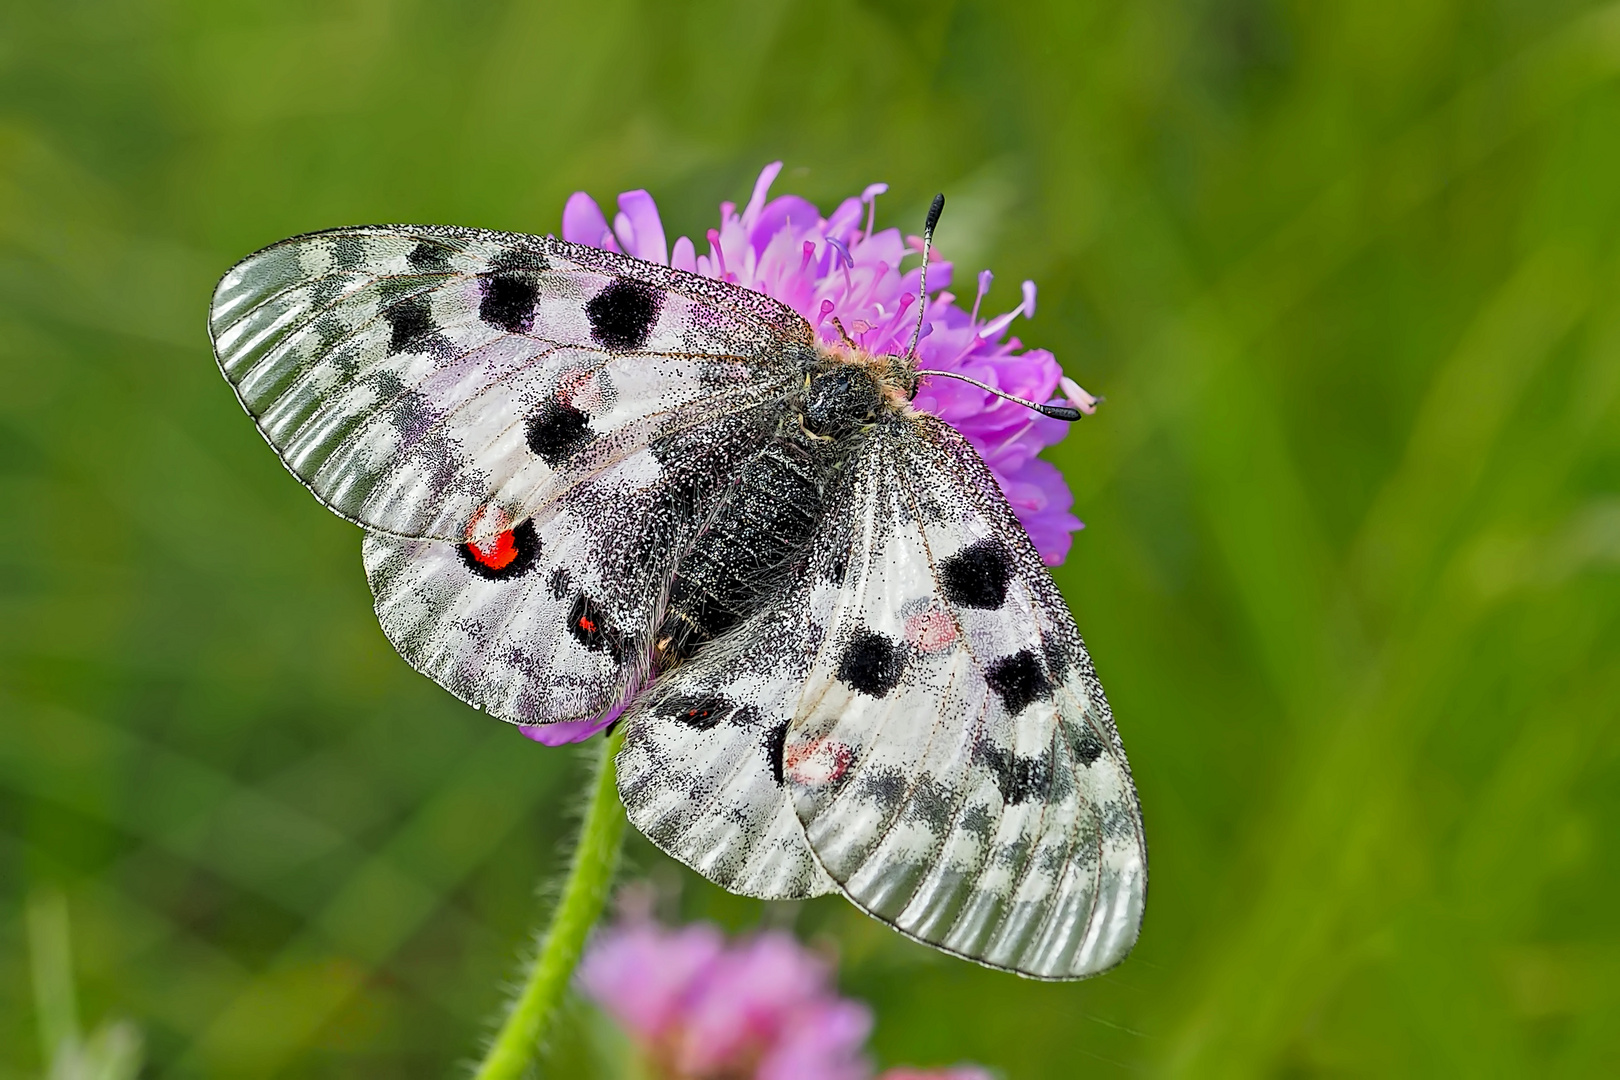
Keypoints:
(1347, 274)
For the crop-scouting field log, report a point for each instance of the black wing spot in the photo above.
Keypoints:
(775, 749)
(591, 628)
(977, 576)
(526, 549)
(622, 315)
(429, 258)
(557, 431)
(409, 321)
(871, 663)
(701, 713)
(509, 301)
(1019, 680)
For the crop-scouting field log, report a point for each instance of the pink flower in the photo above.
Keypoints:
(757, 1008)
(762, 1007)
(841, 267)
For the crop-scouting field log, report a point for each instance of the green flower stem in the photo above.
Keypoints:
(584, 895)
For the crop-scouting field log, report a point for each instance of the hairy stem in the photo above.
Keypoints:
(583, 897)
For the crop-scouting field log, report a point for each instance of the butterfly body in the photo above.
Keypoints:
(589, 481)
(772, 505)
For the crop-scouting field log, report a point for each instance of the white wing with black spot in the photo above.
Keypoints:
(700, 771)
(561, 629)
(414, 376)
(952, 758)
(921, 700)
(531, 431)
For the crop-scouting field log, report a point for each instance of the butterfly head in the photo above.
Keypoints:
(840, 401)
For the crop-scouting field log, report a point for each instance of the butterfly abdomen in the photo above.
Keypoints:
(765, 518)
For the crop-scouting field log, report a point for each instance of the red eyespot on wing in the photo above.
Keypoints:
(497, 555)
(587, 625)
(497, 550)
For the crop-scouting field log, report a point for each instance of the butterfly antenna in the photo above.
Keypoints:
(922, 281)
(1056, 412)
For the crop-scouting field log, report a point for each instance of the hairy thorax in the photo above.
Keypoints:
(768, 514)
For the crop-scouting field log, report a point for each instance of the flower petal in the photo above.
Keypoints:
(583, 223)
(646, 240)
(570, 731)
(762, 187)
(831, 268)
(684, 257)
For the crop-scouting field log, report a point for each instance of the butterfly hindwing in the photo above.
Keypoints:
(412, 376)
(700, 771)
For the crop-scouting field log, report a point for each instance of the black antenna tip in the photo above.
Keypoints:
(1059, 412)
(934, 212)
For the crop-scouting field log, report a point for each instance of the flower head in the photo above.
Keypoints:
(761, 1007)
(843, 268)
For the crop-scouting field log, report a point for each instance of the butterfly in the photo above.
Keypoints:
(588, 482)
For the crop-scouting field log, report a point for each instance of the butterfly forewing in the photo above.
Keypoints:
(413, 376)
